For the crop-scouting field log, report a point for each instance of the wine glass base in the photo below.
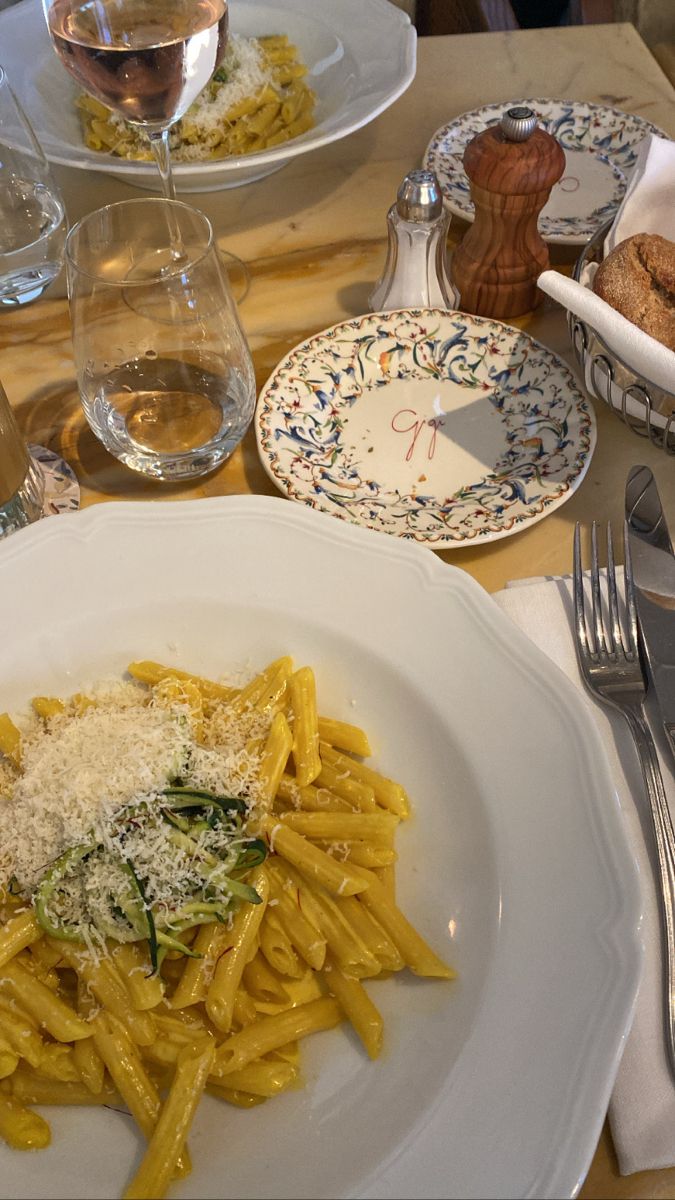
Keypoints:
(237, 273)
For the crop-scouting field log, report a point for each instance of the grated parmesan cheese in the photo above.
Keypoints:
(247, 75)
(78, 774)
(93, 783)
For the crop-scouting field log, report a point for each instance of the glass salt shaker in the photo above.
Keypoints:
(416, 270)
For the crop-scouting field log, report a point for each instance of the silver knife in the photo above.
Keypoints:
(654, 576)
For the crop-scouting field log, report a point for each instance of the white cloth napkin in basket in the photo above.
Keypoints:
(647, 208)
(642, 1108)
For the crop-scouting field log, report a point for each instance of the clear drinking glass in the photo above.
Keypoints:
(164, 370)
(147, 60)
(32, 215)
(22, 483)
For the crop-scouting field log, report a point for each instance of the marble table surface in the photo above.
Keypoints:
(313, 236)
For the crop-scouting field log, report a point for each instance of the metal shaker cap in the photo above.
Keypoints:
(419, 197)
(518, 123)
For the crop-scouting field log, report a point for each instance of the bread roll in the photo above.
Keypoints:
(638, 279)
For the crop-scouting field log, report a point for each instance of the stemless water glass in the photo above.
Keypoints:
(32, 216)
(22, 483)
(164, 371)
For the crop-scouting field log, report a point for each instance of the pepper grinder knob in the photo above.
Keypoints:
(518, 123)
(511, 167)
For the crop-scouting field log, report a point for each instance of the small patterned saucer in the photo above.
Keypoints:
(62, 491)
(600, 147)
(436, 426)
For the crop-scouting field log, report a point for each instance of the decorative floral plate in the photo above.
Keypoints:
(432, 425)
(600, 147)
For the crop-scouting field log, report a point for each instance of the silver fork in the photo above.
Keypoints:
(610, 664)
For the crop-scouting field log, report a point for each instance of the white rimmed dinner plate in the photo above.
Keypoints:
(600, 145)
(431, 425)
(361, 58)
(514, 865)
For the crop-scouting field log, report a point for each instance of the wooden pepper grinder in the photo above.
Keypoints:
(512, 167)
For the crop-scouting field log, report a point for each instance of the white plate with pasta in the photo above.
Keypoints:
(358, 60)
(513, 869)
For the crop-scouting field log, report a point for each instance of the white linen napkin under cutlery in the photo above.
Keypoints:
(642, 1108)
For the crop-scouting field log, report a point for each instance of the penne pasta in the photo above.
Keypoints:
(50, 1011)
(133, 962)
(290, 906)
(152, 673)
(20, 1127)
(230, 966)
(269, 1033)
(21, 931)
(356, 1005)
(388, 794)
(313, 863)
(342, 736)
(212, 941)
(163, 1155)
(378, 828)
(416, 953)
(305, 937)
(309, 798)
(371, 933)
(48, 707)
(274, 758)
(359, 852)
(263, 983)
(278, 950)
(360, 796)
(31, 1089)
(107, 985)
(10, 740)
(305, 726)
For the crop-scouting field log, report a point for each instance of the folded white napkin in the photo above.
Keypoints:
(642, 1108)
(647, 208)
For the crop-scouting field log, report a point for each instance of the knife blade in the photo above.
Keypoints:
(653, 563)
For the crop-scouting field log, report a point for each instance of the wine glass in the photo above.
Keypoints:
(147, 60)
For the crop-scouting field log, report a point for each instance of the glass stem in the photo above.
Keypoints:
(160, 148)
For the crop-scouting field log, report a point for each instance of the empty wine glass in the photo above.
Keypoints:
(164, 371)
(32, 216)
(147, 60)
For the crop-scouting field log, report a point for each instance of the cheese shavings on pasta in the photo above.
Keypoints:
(221, 885)
(77, 775)
(137, 829)
(256, 99)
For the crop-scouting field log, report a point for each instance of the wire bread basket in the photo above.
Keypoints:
(647, 409)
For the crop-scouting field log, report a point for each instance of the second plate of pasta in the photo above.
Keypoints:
(513, 867)
(350, 63)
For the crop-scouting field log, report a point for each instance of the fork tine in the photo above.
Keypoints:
(598, 631)
(614, 632)
(579, 614)
(632, 648)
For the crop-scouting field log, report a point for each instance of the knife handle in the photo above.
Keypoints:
(665, 845)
